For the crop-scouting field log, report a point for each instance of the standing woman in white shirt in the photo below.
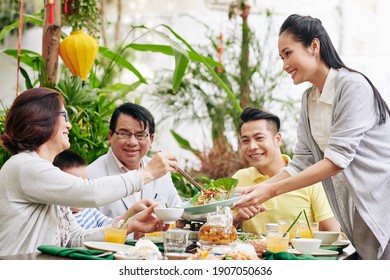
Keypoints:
(32, 188)
(342, 139)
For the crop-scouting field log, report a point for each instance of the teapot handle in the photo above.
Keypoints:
(229, 214)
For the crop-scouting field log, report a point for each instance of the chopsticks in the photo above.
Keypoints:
(189, 178)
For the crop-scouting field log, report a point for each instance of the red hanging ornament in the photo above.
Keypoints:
(50, 18)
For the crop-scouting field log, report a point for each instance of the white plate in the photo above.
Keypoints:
(208, 208)
(341, 243)
(319, 252)
(109, 246)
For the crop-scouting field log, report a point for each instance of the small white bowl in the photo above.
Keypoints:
(306, 245)
(327, 237)
(169, 215)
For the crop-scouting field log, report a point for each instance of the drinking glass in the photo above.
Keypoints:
(175, 241)
(115, 235)
(277, 241)
(284, 225)
(304, 231)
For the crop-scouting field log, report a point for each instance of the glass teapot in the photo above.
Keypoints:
(219, 229)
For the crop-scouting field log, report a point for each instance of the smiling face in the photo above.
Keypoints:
(130, 151)
(59, 141)
(260, 145)
(300, 62)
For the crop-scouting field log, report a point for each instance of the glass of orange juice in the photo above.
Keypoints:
(305, 232)
(277, 241)
(284, 225)
(115, 235)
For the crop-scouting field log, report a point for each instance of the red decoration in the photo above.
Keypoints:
(50, 18)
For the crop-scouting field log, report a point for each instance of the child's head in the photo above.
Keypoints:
(72, 163)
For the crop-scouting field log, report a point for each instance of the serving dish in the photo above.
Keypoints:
(208, 208)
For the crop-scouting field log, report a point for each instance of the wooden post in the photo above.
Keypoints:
(50, 41)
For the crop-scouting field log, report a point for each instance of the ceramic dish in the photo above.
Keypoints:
(319, 252)
(208, 208)
(108, 246)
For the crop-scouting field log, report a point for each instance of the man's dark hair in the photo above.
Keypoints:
(253, 114)
(138, 112)
(69, 159)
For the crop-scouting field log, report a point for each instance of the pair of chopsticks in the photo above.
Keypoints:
(189, 178)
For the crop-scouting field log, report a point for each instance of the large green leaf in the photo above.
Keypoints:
(181, 63)
(26, 18)
(230, 94)
(123, 88)
(32, 59)
(185, 144)
(121, 61)
(168, 50)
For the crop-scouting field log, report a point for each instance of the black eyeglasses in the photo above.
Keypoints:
(65, 114)
(140, 136)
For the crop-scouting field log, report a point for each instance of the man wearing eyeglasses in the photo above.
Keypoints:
(130, 138)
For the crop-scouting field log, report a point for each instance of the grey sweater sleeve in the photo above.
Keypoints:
(354, 113)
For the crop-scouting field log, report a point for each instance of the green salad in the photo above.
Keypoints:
(217, 190)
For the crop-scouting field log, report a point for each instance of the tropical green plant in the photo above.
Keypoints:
(249, 71)
(184, 189)
(90, 104)
(9, 12)
(89, 111)
(4, 155)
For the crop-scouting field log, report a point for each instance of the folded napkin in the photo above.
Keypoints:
(73, 253)
(288, 256)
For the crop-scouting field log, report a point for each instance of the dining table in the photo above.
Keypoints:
(348, 253)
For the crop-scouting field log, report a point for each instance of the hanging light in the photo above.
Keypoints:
(78, 51)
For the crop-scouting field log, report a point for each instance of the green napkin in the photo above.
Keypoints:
(288, 256)
(73, 253)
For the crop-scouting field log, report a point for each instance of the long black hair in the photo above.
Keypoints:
(304, 29)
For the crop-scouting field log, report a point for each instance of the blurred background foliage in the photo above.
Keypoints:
(231, 71)
(250, 71)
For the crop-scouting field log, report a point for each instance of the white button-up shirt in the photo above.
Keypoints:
(320, 110)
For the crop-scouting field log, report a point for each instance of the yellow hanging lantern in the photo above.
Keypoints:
(78, 51)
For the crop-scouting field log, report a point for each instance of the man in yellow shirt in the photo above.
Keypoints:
(260, 145)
